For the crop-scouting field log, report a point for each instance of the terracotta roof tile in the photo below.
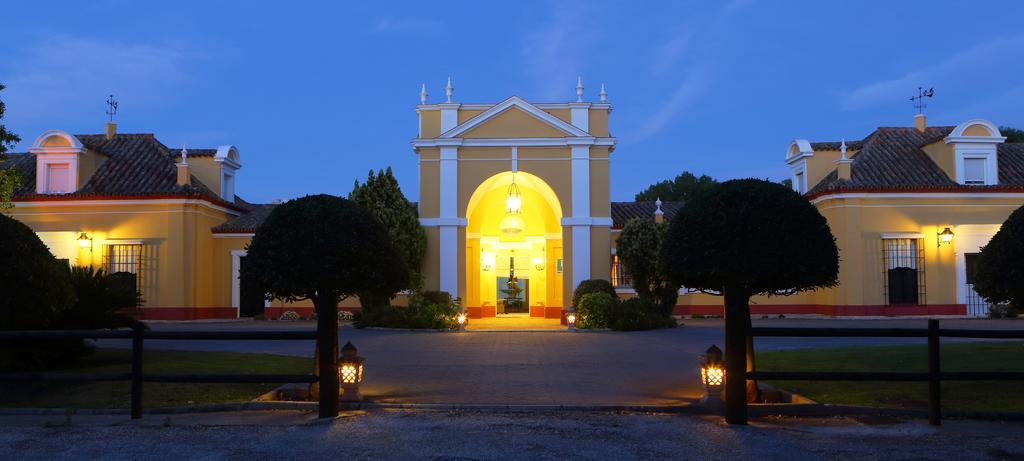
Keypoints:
(892, 159)
(136, 165)
(622, 212)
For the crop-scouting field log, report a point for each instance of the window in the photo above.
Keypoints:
(125, 262)
(903, 266)
(798, 182)
(58, 178)
(974, 171)
(620, 278)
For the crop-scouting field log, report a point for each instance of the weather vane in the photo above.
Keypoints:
(111, 107)
(919, 99)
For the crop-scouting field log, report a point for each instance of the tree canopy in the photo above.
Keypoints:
(322, 248)
(999, 276)
(680, 189)
(9, 178)
(382, 197)
(752, 237)
(639, 250)
(1012, 134)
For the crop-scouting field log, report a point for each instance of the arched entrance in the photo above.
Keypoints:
(514, 231)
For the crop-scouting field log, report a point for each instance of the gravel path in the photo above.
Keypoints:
(440, 435)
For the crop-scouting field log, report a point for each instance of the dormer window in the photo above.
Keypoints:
(57, 157)
(974, 149)
(229, 160)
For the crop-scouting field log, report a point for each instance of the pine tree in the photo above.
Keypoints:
(9, 178)
(384, 199)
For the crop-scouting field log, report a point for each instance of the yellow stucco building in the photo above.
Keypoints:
(521, 189)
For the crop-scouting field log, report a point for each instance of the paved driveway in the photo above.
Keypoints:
(600, 368)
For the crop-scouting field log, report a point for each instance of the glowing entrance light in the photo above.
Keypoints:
(512, 223)
(513, 199)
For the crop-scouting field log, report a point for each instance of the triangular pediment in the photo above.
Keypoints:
(514, 118)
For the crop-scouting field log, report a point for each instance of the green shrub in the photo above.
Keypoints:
(434, 310)
(592, 286)
(637, 313)
(595, 310)
(1002, 311)
(102, 300)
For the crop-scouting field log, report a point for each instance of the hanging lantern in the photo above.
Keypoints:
(945, 237)
(512, 224)
(513, 198)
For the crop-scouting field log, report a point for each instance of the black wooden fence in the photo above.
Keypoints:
(934, 376)
(138, 334)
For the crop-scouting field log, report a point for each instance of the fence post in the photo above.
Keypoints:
(138, 329)
(934, 375)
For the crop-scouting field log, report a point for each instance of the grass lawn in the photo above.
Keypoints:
(116, 394)
(963, 395)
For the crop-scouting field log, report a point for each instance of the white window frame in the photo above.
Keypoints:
(991, 169)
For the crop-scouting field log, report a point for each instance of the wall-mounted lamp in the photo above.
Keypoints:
(487, 262)
(538, 264)
(945, 237)
(84, 241)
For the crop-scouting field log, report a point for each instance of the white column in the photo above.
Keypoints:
(449, 220)
(580, 220)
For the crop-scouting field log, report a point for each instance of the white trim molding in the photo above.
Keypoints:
(918, 195)
(77, 203)
(513, 142)
(902, 235)
(232, 235)
(505, 105)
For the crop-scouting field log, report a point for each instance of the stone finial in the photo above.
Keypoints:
(184, 155)
(579, 89)
(842, 148)
(449, 89)
(603, 94)
(423, 94)
(659, 215)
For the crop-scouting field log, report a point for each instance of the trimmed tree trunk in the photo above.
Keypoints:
(736, 319)
(327, 351)
(753, 392)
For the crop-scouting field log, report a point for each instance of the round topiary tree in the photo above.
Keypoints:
(743, 238)
(324, 249)
(999, 276)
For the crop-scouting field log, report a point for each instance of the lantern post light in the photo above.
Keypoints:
(712, 375)
(350, 373)
(461, 319)
(945, 237)
(84, 241)
(570, 320)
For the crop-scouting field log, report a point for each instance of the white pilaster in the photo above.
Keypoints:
(449, 116)
(580, 221)
(580, 115)
(448, 220)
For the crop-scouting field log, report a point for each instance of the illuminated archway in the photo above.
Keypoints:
(535, 252)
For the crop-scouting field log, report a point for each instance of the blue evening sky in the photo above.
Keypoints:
(315, 95)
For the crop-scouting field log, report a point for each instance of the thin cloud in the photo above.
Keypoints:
(64, 74)
(689, 91)
(971, 68)
(668, 53)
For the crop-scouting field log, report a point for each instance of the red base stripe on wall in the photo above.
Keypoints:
(831, 310)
